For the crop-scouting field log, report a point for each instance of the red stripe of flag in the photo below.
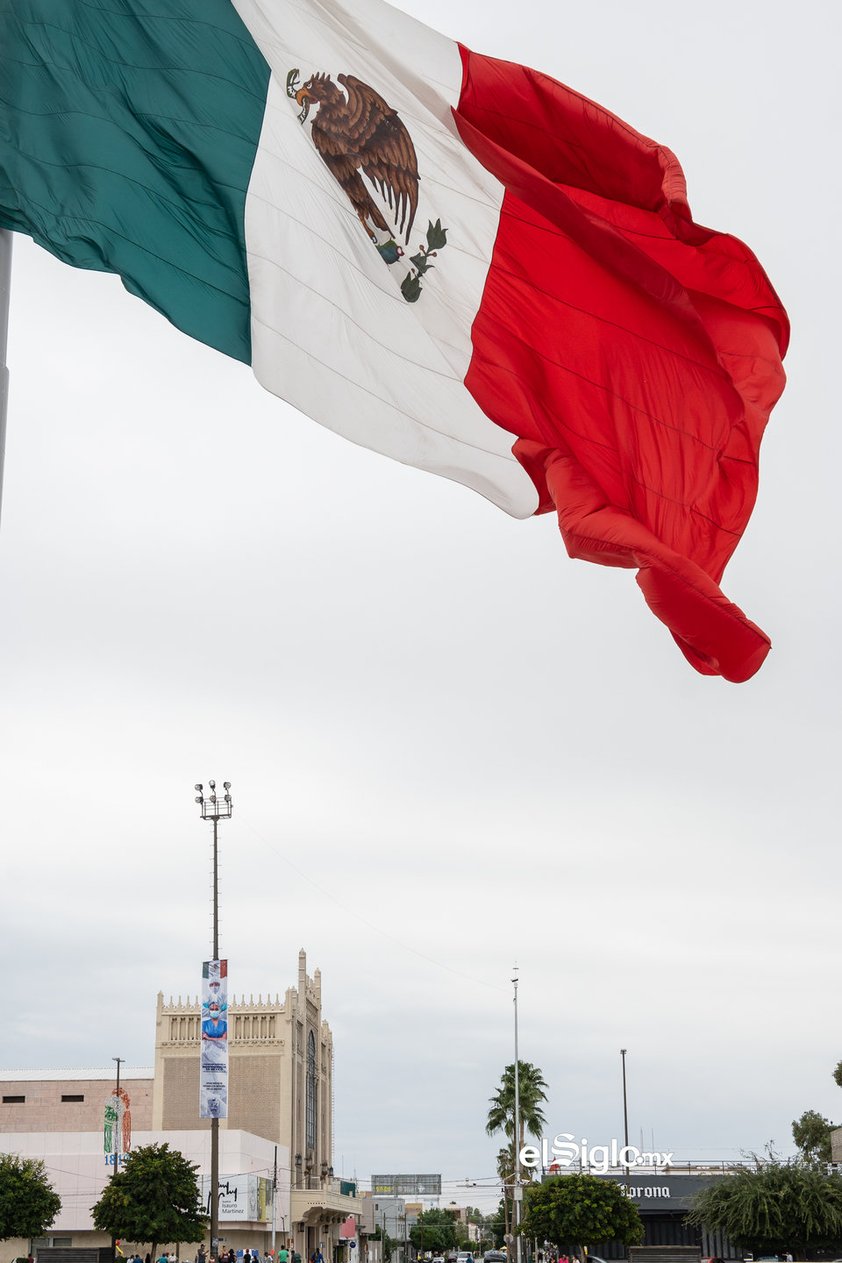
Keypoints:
(635, 354)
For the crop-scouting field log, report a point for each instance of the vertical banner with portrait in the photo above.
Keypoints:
(213, 1067)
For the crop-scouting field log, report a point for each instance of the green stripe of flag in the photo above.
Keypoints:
(128, 130)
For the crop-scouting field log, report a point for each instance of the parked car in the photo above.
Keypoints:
(495, 1256)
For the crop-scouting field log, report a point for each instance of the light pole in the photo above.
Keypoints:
(623, 1052)
(117, 1138)
(215, 807)
(518, 1189)
(118, 1119)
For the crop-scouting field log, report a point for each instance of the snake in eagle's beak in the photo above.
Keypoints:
(300, 95)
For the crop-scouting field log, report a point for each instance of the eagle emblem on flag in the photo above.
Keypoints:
(360, 134)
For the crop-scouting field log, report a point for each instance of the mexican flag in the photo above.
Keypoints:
(455, 261)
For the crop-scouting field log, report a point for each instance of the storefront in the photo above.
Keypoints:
(663, 1202)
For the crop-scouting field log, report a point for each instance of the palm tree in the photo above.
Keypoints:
(531, 1090)
(501, 1117)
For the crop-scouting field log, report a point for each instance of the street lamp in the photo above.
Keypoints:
(623, 1052)
(215, 807)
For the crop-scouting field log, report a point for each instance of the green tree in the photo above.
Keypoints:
(779, 1206)
(577, 1210)
(837, 1074)
(154, 1198)
(811, 1133)
(28, 1202)
(434, 1230)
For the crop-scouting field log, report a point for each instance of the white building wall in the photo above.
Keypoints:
(78, 1168)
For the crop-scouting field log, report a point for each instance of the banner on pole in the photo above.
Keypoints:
(213, 1068)
(117, 1128)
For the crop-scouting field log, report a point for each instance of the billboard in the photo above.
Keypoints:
(243, 1198)
(406, 1185)
(213, 1046)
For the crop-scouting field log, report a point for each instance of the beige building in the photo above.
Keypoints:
(280, 1072)
(69, 1100)
(281, 1088)
(280, 1094)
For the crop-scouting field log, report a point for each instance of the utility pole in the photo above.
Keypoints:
(117, 1141)
(623, 1052)
(274, 1199)
(118, 1122)
(215, 807)
(518, 1188)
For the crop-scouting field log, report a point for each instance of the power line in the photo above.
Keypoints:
(328, 894)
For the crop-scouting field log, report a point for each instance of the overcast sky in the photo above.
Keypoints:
(450, 746)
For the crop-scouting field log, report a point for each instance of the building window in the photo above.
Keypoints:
(311, 1093)
(72, 1096)
(14, 1100)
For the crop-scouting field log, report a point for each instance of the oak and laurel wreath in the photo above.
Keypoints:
(436, 240)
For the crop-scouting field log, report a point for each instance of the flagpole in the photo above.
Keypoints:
(5, 288)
